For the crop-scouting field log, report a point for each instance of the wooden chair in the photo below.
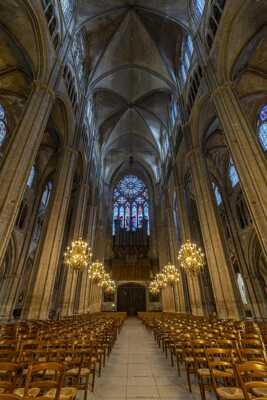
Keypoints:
(80, 367)
(201, 364)
(224, 383)
(9, 396)
(252, 350)
(8, 376)
(252, 379)
(49, 378)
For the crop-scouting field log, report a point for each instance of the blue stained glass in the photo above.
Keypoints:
(31, 177)
(2, 112)
(232, 173)
(217, 194)
(2, 132)
(262, 133)
(190, 44)
(115, 217)
(186, 55)
(183, 72)
(262, 127)
(187, 61)
(263, 113)
(46, 195)
(67, 8)
(3, 127)
(199, 7)
(132, 195)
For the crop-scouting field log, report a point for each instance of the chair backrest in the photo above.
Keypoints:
(8, 375)
(251, 376)
(45, 376)
(9, 396)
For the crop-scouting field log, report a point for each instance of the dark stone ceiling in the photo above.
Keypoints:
(133, 56)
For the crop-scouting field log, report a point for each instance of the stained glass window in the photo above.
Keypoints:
(262, 127)
(78, 50)
(199, 6)
(242, 288)
(31, 177)
(186, 55)
(232, 173)
(217, 194)
(3, 125)
(130, 204)
(174, 111)
(46, 195)
(67, 8)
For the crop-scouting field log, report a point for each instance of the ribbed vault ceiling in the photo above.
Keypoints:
(133, 55)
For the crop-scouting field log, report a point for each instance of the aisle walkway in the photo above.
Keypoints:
(137, 369)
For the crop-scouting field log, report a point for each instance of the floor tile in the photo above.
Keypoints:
(137, 369)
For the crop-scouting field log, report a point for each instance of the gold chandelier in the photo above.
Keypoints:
(158, 283)
(96, 271)
(154, 287)
(171, 273)
(191, 258)
(111, 287)
(78, 255)
(107, 284)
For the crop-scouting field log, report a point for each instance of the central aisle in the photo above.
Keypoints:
(137, 369)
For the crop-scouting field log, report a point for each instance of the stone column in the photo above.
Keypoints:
(86, 284)
(216, 257)
(72, 276)
(247, 156)
(20, 157)
(48, 257)
(193, 281)
(177, 289)
(164, 253)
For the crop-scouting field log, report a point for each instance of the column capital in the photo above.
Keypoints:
(43, 86)
(222, 88)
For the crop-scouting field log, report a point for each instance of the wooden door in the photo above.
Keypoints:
(131, 298)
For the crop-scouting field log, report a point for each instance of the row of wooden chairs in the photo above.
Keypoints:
(227, 356)
(55, 359)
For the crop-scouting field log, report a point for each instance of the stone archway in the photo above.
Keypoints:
(131, 298)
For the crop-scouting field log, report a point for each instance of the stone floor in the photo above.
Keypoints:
(137, 369)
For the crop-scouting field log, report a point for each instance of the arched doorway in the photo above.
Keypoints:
(131, 298)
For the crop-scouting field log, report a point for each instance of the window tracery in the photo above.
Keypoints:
(3, 125)
(52, 21)
(262, 127)
(130, 204)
